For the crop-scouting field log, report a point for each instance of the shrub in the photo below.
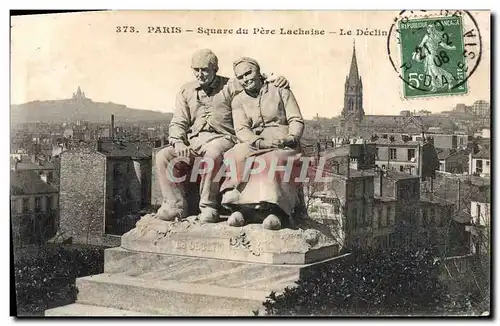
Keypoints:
(47, 279)
(368, 283)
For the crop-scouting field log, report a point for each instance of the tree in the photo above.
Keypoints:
(331, 213)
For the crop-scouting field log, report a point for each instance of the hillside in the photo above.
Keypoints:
(58, 111)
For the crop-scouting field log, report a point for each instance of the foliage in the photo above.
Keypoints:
(469, 292)
(369, 283)
(46, 278)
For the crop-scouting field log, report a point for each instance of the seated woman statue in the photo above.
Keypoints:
(268, 124)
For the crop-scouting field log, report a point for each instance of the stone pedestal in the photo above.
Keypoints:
(193, 269)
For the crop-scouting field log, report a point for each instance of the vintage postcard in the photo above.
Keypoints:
(251, 163)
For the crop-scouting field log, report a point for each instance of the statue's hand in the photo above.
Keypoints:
(266, 144)
(290, 141)
(280, 81)
(181, 149)
(278, 143)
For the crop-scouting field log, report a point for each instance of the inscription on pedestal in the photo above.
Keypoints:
(197, 246)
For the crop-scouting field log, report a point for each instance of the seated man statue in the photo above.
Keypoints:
(201, 127)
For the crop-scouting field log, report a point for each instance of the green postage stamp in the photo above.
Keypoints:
(433, 57)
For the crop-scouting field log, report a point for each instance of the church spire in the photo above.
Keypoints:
(353, 71)
(353, 111)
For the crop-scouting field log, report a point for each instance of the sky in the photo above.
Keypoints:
(51, 55)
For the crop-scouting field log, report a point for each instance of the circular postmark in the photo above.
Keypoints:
(434, 52)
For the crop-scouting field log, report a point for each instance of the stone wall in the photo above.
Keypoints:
(82, 192)
(445, 141)
(156, 198)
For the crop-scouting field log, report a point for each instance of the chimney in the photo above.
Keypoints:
(112, 131)
(381, 182)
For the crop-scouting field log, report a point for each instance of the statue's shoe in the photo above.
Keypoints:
(209, 215)
(230, 197)
(271, 222)
(169, 214)
(236, 219)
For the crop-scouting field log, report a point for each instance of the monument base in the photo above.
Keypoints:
(309, 242)
(140, 278)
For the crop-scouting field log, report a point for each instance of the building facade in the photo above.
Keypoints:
(480, 163)
(412, 157)
(34, 208)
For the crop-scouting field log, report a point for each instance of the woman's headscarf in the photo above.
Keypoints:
(248, 60)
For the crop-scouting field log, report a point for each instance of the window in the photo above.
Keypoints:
(425, 218)
(38, 204)
(128, 193)
(392, 240)
(487, 163)
(401, 168)
(442, 217)
(461, 140)
(392, 153)
(50, 203)
(364, 216)
(478, 210)
(26, 205)
(116, 170)
(431, 219)
(349, 128)
(411, 154)
(376, 153)
(50, 177)
(13, 205)
(336, 208)
(479, 166)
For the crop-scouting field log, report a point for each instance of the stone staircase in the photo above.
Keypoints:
(168, 270)
(148, 284)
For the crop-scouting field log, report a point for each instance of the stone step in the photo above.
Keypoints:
(78, 309)
(164, 297)
(185, 269)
